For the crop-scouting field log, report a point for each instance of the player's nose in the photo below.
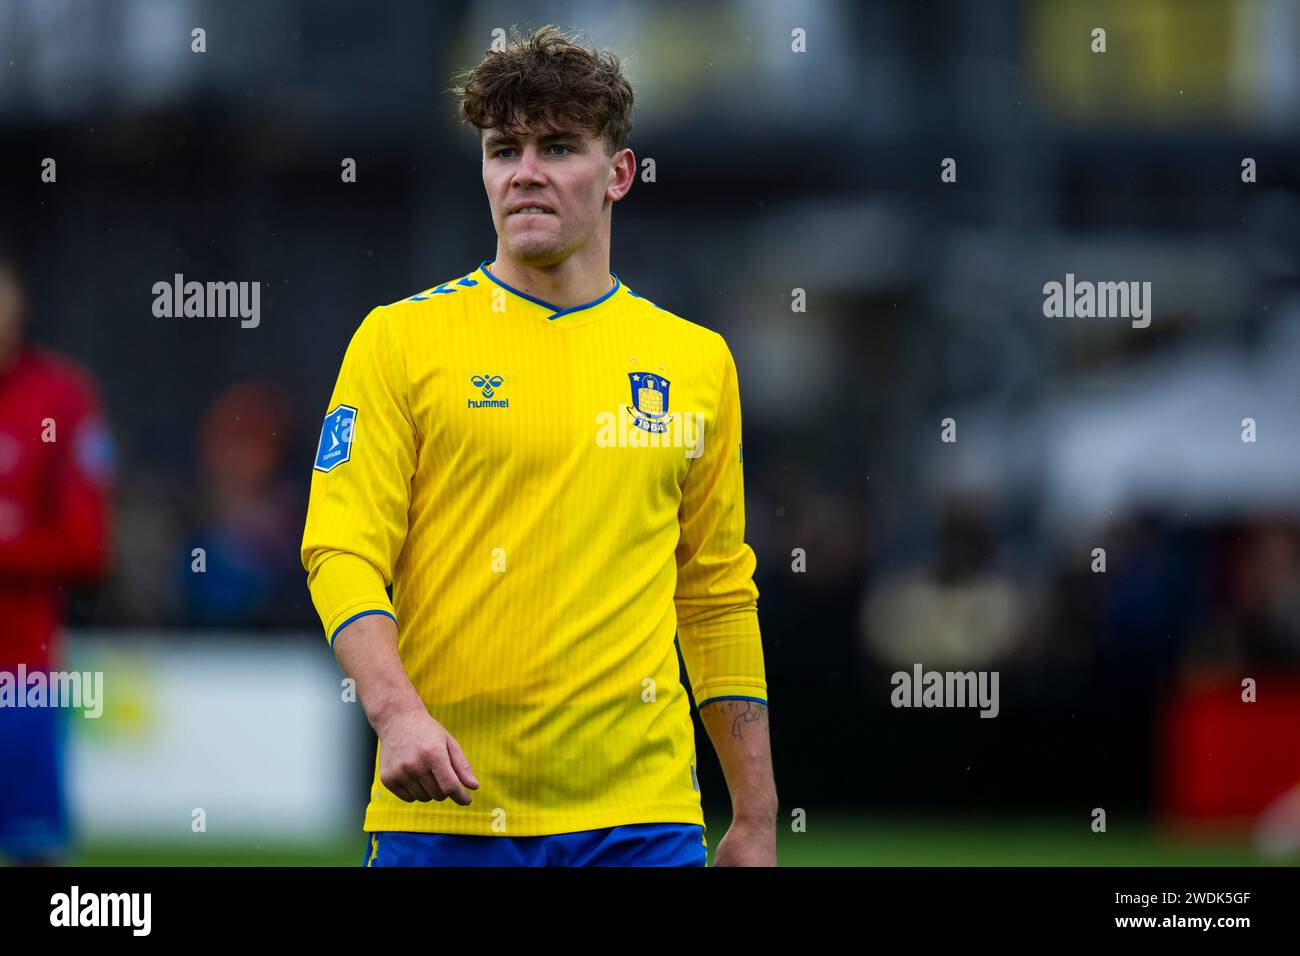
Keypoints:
(529, 169)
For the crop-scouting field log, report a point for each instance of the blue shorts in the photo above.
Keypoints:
(33, 806)
(634, 844)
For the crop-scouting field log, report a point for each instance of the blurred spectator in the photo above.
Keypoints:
(252, 510)
(56, 476)
(959, 612)
(1266, 586)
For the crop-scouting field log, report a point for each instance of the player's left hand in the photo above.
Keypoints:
(747, 844)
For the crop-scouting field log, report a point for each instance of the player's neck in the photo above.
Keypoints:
(576, 281)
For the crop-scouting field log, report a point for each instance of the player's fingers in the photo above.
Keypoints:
(448, 782)
(394, 777)
(392, 780)
(400, 792)
(406, 775)
(416, 784)
(435, 775)
(460, 764)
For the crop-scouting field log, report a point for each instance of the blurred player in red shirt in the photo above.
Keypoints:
(56, 472)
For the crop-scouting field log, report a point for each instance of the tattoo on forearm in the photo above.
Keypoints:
(739, 712)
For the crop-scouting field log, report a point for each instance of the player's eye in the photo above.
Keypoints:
(559, 146)
(503, 149)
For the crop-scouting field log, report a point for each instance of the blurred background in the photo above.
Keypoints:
(922, 300)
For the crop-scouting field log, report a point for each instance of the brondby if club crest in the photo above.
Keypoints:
(649, 406)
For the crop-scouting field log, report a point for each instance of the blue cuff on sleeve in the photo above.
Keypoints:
(354, 617)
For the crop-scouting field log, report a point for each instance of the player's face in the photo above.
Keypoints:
(566, 173)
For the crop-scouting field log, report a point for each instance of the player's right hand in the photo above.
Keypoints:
(419, 760)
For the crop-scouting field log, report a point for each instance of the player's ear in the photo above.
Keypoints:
(622, 172)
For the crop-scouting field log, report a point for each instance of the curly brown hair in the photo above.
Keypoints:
(548, 75)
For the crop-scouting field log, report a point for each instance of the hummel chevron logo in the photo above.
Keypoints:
(488, 384)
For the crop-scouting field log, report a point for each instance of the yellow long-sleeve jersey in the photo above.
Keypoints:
(552, 494)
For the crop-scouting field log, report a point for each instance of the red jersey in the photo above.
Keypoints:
(56, 474)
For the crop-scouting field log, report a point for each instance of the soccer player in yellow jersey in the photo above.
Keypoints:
(546, 467)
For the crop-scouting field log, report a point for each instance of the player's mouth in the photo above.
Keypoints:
(535, 209)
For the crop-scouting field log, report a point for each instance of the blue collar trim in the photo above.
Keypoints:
(555, 309)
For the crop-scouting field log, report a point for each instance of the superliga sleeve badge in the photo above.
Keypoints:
(336, 433)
